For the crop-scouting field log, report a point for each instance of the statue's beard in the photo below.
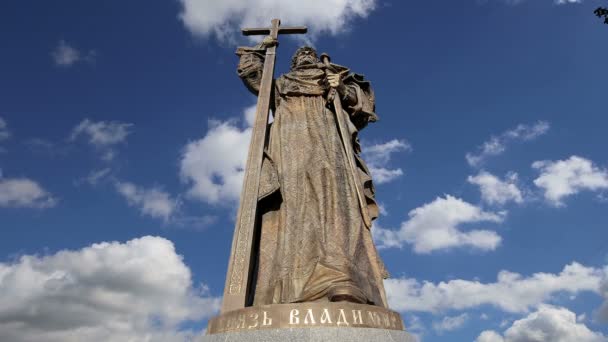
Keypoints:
(306, 60)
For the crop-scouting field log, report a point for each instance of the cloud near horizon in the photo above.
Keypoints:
(548, 323)
(511, 292)
(139, 290)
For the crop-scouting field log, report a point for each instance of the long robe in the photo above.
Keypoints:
(312, 237)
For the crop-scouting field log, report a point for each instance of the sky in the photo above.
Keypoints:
(124, 129)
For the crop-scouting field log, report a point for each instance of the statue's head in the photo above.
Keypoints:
(303, 56)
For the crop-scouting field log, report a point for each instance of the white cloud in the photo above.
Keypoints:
(564, 2)
(489, 336)
(95, 176)
(156, 203)
(450, 323)
(103, 135)
(602, 313)
(562, 178)
(435, 226)
(214, 165)
(152, 202)
(24, 193)
(383, 175)
(4, 132)
(65, 55)
(512, 292)
(223, 19)
(378, 157)
(136, 291)
(498, 144)
(548, 323)
(496, 191)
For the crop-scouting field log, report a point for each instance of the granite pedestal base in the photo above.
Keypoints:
(317, 334)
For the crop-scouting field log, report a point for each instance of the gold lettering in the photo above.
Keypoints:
(394, 321)
(254, 317)
(387, 320)
(229, 321)
(372, 317)
(357, 319)
(241, 322)
(325, 317)
(267, 320)
(342, 318)
(309, 315)
(293, 316)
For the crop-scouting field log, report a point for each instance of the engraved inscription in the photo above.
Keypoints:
(306, 315)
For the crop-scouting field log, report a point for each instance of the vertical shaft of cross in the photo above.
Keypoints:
(240, 267)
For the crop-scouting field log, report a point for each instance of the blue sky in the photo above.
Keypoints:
(123, 129)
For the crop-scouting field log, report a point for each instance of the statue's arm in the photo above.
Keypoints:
(348, 95)
(358, 100)
(251, 63)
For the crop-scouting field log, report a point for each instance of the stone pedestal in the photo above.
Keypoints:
(317, 334)
(331, 321)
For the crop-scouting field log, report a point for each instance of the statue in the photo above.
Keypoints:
(602, 12)
(302, 254)
(315, 243)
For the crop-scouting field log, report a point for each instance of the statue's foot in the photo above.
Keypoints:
(346, 293)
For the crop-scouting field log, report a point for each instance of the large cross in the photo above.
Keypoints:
(240, 268)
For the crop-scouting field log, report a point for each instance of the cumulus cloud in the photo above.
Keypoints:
(223, 19)
(24, 193)
(65, 55)
(140, 290)
(602, 313)
(450, 323)
(103, 135)
(214, 165)
(378, 157)
(498, 144)
(436, 226)
(548, 323)
(512, 292)
(495, 190)
(489, 336)
(153, 202)
(562, 178)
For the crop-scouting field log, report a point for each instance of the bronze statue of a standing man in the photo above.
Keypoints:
(316, 198)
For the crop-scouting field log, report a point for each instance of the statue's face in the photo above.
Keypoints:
(305, 57)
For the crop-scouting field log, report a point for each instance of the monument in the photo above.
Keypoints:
(303, 265)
